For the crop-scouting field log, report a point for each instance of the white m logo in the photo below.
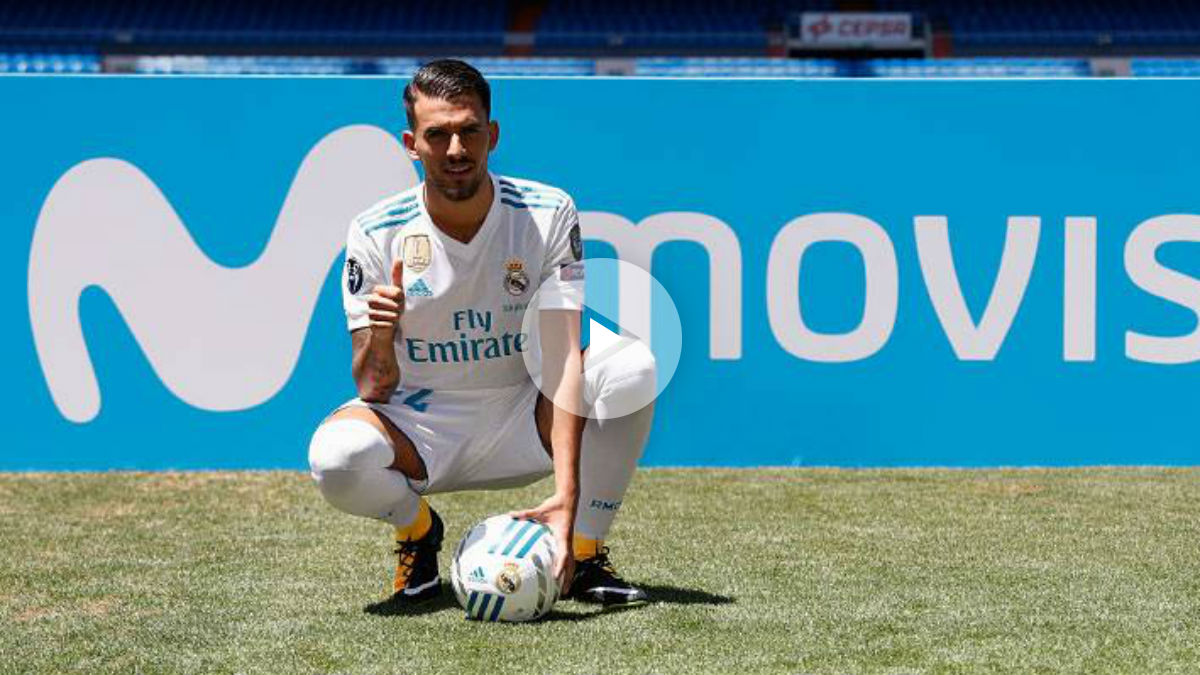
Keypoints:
(219, 338)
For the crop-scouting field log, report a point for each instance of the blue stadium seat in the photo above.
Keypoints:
(728, 25)
(736, 67)
(978, 67)
(653, 24)
(48, 62)
(1161, 67)
(200, 22)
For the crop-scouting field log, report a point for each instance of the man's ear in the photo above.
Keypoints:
(495, 128)
(410, 145)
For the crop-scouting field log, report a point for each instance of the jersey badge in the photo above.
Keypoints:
(576, 242)
(354, 276)
(571, 272)
(516, 281)
(417, 253)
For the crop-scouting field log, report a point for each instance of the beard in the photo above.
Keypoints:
(459, 192)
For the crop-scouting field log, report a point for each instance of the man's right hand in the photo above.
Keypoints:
(386, 305)
(375, 369)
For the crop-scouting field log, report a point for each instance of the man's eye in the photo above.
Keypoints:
(435, 135)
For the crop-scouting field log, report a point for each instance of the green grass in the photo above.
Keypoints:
(753, 571)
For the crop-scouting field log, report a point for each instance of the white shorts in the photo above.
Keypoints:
(470, 440)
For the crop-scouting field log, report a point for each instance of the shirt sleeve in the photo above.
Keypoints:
(362, 272)
(562, 273)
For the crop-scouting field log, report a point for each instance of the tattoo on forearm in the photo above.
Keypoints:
(371, 367)
(381, 368)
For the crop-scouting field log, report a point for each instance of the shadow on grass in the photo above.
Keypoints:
(659, 595)
(673, 595)
(394, 607)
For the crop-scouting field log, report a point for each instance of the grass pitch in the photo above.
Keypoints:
(752, 571)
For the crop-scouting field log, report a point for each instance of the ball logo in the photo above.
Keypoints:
(509, 579)
(354, 276)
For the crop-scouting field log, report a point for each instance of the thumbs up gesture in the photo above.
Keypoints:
(386, 304)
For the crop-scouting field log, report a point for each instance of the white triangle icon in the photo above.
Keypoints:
(603, 344)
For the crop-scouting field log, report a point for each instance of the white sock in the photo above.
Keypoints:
(612, 447)
(349, 460)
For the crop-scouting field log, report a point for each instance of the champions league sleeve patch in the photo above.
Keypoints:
(576, 242)
(354, 276)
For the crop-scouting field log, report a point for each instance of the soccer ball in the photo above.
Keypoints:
(503, 570)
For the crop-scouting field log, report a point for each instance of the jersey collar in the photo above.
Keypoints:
(470, 249)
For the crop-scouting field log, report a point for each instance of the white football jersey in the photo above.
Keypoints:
(461, 327)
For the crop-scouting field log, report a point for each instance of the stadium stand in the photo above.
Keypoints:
(500, 66)
(978, 67)
(737, 67)
(258, 22)
(646, 66)
(707, 24)
(1060, 23)
(1148, 67)
(645, 38)
(48, 62)
(344, 65)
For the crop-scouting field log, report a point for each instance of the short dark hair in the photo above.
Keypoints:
(446, 79)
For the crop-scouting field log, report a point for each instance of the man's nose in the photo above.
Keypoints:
(457, 149)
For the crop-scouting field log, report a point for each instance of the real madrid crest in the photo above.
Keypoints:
(417, 253)
(516, 281)
(509, 579)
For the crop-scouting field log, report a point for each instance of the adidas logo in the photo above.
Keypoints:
(419, 289)
(477, 575)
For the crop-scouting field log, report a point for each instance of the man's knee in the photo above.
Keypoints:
(349, 459)
(622, 383)
(640, 360)
(347, 444)
(630, 372)
(345, 452)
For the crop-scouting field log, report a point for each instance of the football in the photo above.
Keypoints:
(503, 570)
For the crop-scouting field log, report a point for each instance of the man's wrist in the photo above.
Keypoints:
(568, 497)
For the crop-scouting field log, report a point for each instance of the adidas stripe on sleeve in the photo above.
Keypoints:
(562, 268)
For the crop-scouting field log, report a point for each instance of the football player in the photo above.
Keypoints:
(437, 280)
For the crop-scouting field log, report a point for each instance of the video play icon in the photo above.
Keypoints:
(625, 308)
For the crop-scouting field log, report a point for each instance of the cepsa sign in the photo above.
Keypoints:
(856, 28)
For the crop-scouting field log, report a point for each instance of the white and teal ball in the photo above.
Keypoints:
(503, 570)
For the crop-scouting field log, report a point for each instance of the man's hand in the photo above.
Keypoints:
(374, 366)
(386, 305)
(562, 377)
(558, 514)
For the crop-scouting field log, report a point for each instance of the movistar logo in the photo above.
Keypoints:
(106, 224)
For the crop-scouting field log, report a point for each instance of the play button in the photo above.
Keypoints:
(602, 344)
(629, 321)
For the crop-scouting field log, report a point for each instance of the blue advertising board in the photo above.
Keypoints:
(867, 273)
